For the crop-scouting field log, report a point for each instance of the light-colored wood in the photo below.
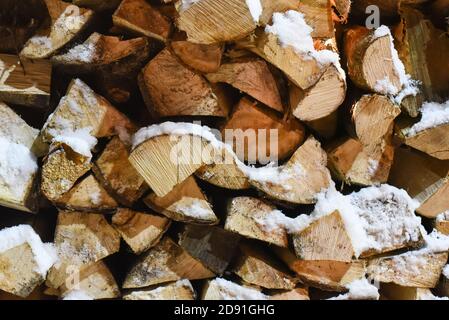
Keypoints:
(139, 17)
(253, 77)
(243, 215)
(212, 246)
(67, 21)
(256, 267)
(306, 175)
(433, 141)
(420, 270)
(185, 203)
(295, 294)
(320, 100)
(392, 291)
(171, 89)
(80, 239)
(117, 175)
(140, 230)
(179, 290)
(324, 239)
(318, 15)
(173, 157)
(201, 57)
(165, 262)
(222, 289)
(25, 82)
(87, 195)
(260, 125)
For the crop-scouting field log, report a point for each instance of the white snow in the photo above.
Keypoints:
(444, 216)
(155, 294)
(446, 271)
(77, 295)
(292, 30)
(384, 86)
(231, 291)
(435, 242)
(44, 253)
(80, 141)
(85, 52)
(95, 197)
(18, 166)
(255, 8)
(196, 209)
(433, 114)
(430, 296)
(276, 220)
(186, 4)
(373, 166)
(360, 289)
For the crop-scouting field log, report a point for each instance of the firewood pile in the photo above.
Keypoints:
(224, 149)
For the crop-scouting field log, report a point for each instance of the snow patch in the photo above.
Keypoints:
(360, 289)
(195, 209)
(228, 290)
(255, 8)
(433, 114)
(77, 295)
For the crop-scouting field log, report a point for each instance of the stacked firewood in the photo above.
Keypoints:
(224, 149)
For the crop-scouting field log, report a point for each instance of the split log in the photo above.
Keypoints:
(413, 34)
(222, 289)
(321, 99)
(256, 267)
(18, 166)
(212, 246)
(243, 216)
(324, 239)
(251, 76)
(410, 269)
(159, 156)
(67, 22)
(441, 223)
(424, 178)
(325, 275)
(318, 15)
(392, 291)
(301, 178)
(139, 17)
(97, 5)
(295, 294)
(61, 169)
(204, 58)
(179, 290)
(25, 82)
(171, 89)
(117, 175)
(325, 127)
(165, 262)
(185, 203)
(252, 130)
(95, 280)
(87, 195)
(80, 239)
(140, 230)
(369, 60)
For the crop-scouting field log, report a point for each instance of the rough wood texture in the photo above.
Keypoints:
(139, 17)
(392, 291)
(185, 203)
(117, 175)
(201, 57)
(242, 217)
(25, 82)
(171, 89)
(179, 290)
(165, 262)
(140, 230)
(433, 141)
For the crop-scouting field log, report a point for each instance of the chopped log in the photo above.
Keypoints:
(325, 127)
(441, 223)
(410, 269)
(325, 275)
(95, 280)
(179, 290)
(413, 34)
(256, 267)
(318, 15)
(18, 166)
(80, 239)
(301, 178)
(139, 17)
(171, 89)
(159, 156)
(222, 289)
(185, 203)
(97, 5)
(433, 141)
(369, 60)
(212, 246)
(24, 260)
(251, 129)
(140, 230)
(251, 76)
(243, 216)
(25, 82)
(424, 178)
(165, 262)
(295, 294)
(117, 175)
(61, 169)
(87, 195)
(324, 239)
(321, 99)
(201, 57)
(67, 22)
